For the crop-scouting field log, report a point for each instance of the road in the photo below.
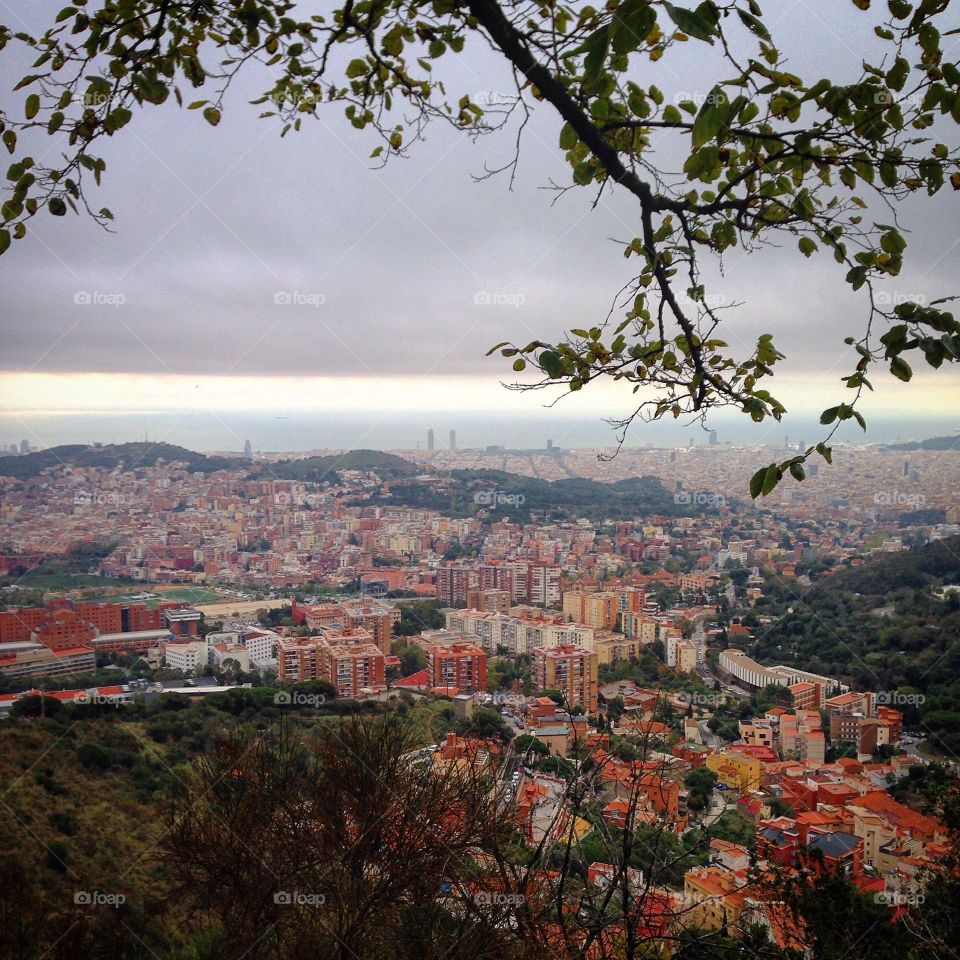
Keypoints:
(709, 738)
(718, 806)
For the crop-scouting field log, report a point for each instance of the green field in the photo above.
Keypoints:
(189, 594)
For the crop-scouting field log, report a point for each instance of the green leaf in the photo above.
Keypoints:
(901, 369)
(212, 116)
(56, 206)
(583, 173)
(595, 47)
(807, 246)
(631, 25)
(700, 23)
(829, 415)
(551, 364)
(711, 118)
(4, 241)
(568, 137)
(771, 479)
(797, 472)
(756, 482)
(32, 106)
(357, 68)
(754, 24)
(671, 114)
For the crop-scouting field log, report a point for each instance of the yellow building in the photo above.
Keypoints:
(615, 648)
(686, 657)
(639, 627)
(736, 770)
(715, 896)
(598, 610)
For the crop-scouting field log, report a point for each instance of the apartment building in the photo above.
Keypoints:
(297, 658)
(571, 670)
(454, 581)
(598, 610)
(517, 635)
(460, 665)
(352, 668)
(377, 617)
(490, 601)
(33, 659)
(638, 626)
(188, 657)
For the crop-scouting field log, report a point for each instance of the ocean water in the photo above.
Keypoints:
(389, 430)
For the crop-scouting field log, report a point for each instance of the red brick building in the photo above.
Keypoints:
(460, 665)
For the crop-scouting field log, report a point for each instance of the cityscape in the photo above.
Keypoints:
(480, 480)
(527, 639)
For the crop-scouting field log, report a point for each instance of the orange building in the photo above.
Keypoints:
(571, 670)
(460, 665)
(64, 630)
(297, 658)
(352, 668)
(106, 617)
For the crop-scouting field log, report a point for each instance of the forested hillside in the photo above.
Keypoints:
(885, 626)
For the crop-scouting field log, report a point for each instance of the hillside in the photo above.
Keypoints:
(318, 469)
(934, 443)
(511, 495)
(881, 627)
(142, 454)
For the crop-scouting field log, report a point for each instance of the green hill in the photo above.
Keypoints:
(466, 492)
(880, 626)
(142, 454)
(318, 469)
(934, 443)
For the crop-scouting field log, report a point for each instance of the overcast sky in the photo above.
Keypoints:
(384, 267)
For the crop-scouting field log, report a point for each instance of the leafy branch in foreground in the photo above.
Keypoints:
(769, 154)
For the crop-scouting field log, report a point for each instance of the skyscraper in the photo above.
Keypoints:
(24, 446)
(713, 438)
(453, 439)
(430, 439)
(247, 449)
